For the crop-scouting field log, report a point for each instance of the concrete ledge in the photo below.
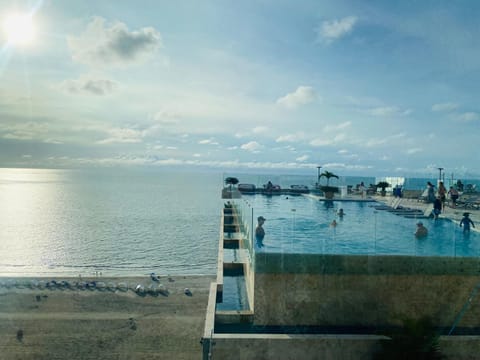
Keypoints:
(283, 346)
(274, 263)
(233, 316)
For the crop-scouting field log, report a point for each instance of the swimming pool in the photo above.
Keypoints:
(298, 224)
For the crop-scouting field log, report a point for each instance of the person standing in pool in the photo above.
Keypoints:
(421, 230)
(466, 222)
(260, 231)
(437, 208)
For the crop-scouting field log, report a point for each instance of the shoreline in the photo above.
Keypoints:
(61, 322)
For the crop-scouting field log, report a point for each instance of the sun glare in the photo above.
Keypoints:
(19, 29)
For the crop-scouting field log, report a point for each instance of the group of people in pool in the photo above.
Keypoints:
(420, 232)
(466, 222)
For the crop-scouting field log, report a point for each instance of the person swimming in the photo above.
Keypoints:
(333, 223)
(340, 212)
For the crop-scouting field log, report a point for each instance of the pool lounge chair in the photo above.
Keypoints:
(468, 201)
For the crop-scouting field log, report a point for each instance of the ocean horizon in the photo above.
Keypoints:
(120, 221)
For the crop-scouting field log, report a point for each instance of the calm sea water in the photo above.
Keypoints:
(117, 221)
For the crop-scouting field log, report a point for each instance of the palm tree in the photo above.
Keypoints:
(231, 181)
(327, 189)
(328, 175)
(416, 339)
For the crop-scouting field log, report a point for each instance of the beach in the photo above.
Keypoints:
(60, 322)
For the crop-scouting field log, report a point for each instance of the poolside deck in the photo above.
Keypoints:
(454, 214)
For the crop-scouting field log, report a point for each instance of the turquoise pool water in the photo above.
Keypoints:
(297, 224)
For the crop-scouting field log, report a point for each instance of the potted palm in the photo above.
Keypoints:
(328, 190)
(383, 185)
(231, 192)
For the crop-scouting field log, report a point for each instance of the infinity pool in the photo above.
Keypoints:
(298, 224)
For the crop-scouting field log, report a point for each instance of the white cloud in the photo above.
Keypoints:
(330, 31)
(414, 151)
(290, 138)
(251, 146)
(341, 126)
(89, 86)
(468, 116)
(260, 130)
(122, 135)
(321, 142)
(302, 96)
(114, 45)
(302, 158)
(387, 139)
(389, 111)
(444, 107)
(208, 142)
(167, 117)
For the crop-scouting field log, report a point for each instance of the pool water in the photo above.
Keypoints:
(298, 224)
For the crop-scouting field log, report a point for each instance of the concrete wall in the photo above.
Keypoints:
(345, 347)
(293, 347)
(363, 291)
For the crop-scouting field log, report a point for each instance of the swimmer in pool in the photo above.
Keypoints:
(466, 222)
(421, 230)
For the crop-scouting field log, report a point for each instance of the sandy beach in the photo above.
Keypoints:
(61, 322)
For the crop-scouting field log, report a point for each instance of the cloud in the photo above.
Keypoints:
(114, 45)
(444, 107)
(252, 146)
(341, 126)
(387, 111)
(89, 86)
(290, 138)
(387, 139)
(321, 142)
(168, 117)
(122, 135)
(302, 96)
(414, 151)
(260, 130)
(302, 158)
(468, 116)
(330, 31)
(208, 142)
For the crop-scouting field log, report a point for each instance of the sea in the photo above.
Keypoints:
(121, 221)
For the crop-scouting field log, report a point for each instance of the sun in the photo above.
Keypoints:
(19, 29)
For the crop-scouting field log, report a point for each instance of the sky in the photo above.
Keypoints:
(373, 88)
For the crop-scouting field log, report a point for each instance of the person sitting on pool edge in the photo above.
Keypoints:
(421, 230)
(466, 221)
